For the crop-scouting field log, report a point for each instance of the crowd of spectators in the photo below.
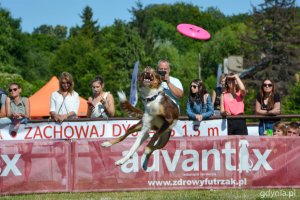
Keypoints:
(227, 99)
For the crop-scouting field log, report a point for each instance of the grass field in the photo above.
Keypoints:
(168, 195)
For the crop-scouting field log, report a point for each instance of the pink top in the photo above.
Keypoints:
(233, 105)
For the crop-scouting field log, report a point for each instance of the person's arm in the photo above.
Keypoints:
(7, 108)
(258, 109)
(2, 109)
(222, 107)
(3, 112)
(109, 105)
(27, 108)
(177, 92)
(74, 112)
(210, 109)
(240, 84)
(90, 107)
(213, 97)
(275, 110)
(53, 113)
(189, 112)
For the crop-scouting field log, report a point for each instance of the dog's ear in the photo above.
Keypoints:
(140, 76)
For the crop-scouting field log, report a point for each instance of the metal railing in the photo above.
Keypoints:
(284, 116)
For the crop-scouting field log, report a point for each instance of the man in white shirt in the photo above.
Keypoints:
(172, 86)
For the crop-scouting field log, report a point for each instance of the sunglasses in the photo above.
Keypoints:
(194, 86)
(267, 85)
(65, 83)
(13, 89)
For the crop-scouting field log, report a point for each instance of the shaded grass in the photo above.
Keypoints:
(168, 195)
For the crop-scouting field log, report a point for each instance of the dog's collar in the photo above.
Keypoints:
(151, 98)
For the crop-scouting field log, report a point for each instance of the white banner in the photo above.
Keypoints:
(105, 129)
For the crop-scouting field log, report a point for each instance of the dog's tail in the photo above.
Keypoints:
(126, 106)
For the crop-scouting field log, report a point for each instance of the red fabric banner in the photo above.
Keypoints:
(185, 163)
(35, 166)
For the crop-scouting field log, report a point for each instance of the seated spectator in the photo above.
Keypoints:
(232, 104)
(64, 103)
(279, 129)
(267, 104)
(293, 129)
(199, 106)
(216, 94)
(101, 104)
(4, 120)
(17, 107)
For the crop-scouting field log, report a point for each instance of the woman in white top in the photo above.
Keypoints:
(101, 104)
(64, 103)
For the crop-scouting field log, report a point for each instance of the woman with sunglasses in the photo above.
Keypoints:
(17, 107)
(64, 103)
(101, 104)
(199, 106)
(232, 103)
(267, 104)
(18, 110)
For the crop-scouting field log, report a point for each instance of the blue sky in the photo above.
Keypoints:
(34, 13)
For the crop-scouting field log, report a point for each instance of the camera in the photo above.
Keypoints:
(162, 73)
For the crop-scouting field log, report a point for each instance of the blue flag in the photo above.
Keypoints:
(133, 88)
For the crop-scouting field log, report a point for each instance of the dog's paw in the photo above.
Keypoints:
(106, 144)
(119, 162)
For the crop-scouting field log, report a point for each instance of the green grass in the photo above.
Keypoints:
(231, 194)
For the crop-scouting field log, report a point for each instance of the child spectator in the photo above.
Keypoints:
(232, 104)
(293, 129)
(199, 104)
(279, 129)
(267, 104)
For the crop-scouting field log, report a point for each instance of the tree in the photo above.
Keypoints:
(89, 26)
(10, 37)
(276, 35)
(57, 31)
(225, 42)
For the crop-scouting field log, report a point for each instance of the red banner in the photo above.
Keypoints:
(185, 163)
(28, 167)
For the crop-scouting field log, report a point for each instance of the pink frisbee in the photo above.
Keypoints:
(193, 31)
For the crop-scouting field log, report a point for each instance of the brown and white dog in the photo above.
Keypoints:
(161, 115)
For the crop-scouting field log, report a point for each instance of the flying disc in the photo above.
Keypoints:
(193, 31)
